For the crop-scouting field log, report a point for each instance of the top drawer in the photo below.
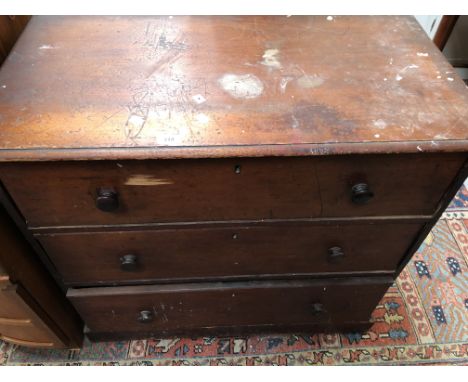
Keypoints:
(67, 193)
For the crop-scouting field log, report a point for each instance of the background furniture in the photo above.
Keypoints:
(33, 310)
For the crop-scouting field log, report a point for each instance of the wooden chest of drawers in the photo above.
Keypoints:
(227, 174)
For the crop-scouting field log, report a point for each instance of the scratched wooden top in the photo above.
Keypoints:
(170, 87)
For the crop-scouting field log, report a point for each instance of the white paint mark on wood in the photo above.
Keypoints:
(422, 54)
(146, 180)
(295, 123)
(419, 148)
(377, 135)
(270, 58)
(136, 121)
(329, 18)
(310, 81)
(399, 76)
(425, 117)
(284, 83)
(202, 118)
(46, 47)
(198, 99)
(245, 86)
(449, 79)
(380, 124)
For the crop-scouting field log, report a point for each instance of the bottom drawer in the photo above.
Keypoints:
(187, 308)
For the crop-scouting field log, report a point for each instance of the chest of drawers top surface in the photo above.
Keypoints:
(171, 87)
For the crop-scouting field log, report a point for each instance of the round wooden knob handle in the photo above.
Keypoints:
(107, 199)
(129, 263)
(335, 254)
(145, 316)
(361, 193)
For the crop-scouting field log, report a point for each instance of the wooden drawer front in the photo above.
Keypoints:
(228, 252)
(20, 324)
(26, 335)
(159, 191)
(194, 306)
(54, 194)
(12, 305)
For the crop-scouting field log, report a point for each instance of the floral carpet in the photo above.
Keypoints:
(421, 320)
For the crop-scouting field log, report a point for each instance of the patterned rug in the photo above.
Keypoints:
(422, 319)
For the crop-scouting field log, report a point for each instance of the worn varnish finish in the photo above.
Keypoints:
(227, 174)
(324, 305)
(227, 82)
(228, 252)
(64, 194)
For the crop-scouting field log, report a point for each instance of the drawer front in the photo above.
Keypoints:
(55, 194)
(12, 305)
(26, 335)
(195, 306)
(163, 191)
(19, 323)
(192, 253)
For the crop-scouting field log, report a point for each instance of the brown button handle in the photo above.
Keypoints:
(107, 199)
(129, 263)
(361, 193)
(335, 255)
(145, 316)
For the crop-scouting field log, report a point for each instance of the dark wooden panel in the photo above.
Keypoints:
(169, 255)
(402, 185)
(444, 30)
(57, 194)
(192, 306)
(229, 82)
(64, 193)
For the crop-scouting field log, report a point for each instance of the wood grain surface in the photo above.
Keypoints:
(196, 306)
(93, 87)
(64, 193)
(171, 255)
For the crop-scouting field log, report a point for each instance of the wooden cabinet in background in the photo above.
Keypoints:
(33, 310)
(11, 28)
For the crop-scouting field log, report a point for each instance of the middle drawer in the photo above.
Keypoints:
(229, 252)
